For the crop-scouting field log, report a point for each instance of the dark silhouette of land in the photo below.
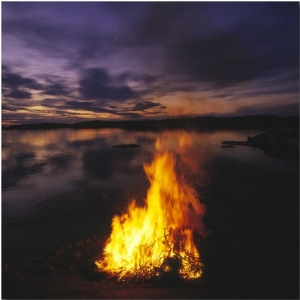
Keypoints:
(281, 143)
(195, 123)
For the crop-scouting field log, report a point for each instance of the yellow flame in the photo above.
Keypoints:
(144, 238)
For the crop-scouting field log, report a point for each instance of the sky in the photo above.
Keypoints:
(68, 62)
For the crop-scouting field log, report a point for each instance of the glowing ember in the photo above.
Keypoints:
(159, 237)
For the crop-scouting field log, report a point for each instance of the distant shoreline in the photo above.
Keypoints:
(205, 123)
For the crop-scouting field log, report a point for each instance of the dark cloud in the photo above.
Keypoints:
(13, 80)
(5, 68)
(18, 94)
(126, 109)
(52, 102)
(242, 48)
(130, 109)
(144, 105)
(275, 41)
(96, 84)
(8, 108)
(245, 53)
(90, 106)
(221, 59)
(161, 23)
(56, 89)
(16, 86)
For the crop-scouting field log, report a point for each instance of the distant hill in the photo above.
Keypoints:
(196, 123)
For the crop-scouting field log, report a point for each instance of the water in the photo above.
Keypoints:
(62, 185)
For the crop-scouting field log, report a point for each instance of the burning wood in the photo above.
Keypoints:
(158, 238)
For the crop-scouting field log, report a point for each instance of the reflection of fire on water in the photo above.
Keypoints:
(159, 237)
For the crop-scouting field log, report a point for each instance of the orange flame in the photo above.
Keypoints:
(144, 238)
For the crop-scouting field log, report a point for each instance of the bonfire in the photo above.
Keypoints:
(159, 237)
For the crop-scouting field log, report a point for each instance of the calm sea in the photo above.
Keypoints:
(62, 185)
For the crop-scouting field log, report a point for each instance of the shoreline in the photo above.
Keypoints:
(197, 123)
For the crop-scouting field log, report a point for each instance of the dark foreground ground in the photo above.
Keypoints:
(70, 273)
(74, 286)
(240, 263)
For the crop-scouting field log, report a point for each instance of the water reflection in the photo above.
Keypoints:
(39, 164)
(53, 181)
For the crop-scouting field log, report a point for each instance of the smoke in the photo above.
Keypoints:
(193, 156)
(192, 153)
